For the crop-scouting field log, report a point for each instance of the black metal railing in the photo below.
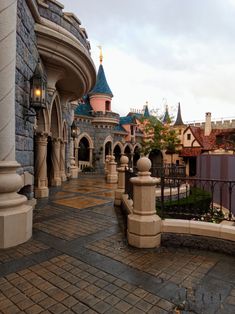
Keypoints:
(196, 198)
(168, 171)
(184, 197)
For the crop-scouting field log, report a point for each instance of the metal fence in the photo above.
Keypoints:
(184, 197)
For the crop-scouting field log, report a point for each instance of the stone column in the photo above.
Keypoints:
(56, 178)
(41, 182)
(144, 226)
(106, 165)
(112, 176)
(62, 161)
(15, 214)
(73, 167)
(121, 181)
(91, 156)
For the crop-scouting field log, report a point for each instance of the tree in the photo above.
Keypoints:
(158, 136)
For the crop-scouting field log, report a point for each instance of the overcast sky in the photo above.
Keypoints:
(165, 51)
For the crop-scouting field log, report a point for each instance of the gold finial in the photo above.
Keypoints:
(101, 55)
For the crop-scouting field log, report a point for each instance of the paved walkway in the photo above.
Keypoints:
(78, 261)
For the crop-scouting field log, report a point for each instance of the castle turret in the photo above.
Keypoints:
(166, 118)
(178, 121)
(101, 95)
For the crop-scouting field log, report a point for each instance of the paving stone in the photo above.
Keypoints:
(102, 307)
(35, 309)
(123, 306)
(57, 308)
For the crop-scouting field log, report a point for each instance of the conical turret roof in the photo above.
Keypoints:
(166, 119)
(101, 86)
(178, 120)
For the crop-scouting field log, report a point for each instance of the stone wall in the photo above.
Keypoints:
(52, 10)
(26, 60)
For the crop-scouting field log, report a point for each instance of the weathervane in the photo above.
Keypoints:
(101, 55)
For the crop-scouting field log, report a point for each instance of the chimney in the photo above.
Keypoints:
(208, 124)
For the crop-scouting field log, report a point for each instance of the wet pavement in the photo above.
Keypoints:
(78, 261)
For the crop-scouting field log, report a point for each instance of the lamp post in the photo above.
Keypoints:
(73, 167)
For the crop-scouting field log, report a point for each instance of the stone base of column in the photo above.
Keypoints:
(15, 213)
(41, 192)
(118, 197)
(56, 181)
(112, 178)
(63, 177)
(144, 242)
(74, 172)
(144, 232)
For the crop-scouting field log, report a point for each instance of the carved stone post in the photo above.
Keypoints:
(121, 181)
(91, 156)
(144, 226)
(56, 178)
(41, 181)
(112, 176)
(62, 161)
(106, 165)
(15, 213)
(73, 167)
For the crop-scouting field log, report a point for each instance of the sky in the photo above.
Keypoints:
(164, 52)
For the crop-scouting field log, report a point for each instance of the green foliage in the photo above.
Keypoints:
(159, 136)
(196, 205)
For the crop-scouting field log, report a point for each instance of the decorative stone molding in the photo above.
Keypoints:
(144, 226)
(121, 180)
(112, 176)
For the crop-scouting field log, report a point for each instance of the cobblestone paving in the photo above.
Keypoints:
(78, 261)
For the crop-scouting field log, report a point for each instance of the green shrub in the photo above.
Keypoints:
(195, 205)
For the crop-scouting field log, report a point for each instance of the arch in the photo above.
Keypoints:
(156, 158)
(55, 117)
(84, 151)
(87, 136)
(136, 155)
(117, 153)
(130, 147)
(120, 145)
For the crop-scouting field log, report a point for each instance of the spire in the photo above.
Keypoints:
(146, 111)
(101, 86)
(166, 119)
(101, 54)
(179, 120)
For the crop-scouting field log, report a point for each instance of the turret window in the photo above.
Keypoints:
(107, 106)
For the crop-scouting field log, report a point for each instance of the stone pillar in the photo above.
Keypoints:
(112, 176)
(121, 181)
(106, 165)
(62, 161)
(144, 226)
(41, 182)
(15, 214)
(56, 178)
(91, 156)
(73, 167)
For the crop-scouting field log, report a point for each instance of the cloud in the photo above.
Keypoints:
(181, 50)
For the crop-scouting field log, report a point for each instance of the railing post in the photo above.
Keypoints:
(112, 176)
(121, 180)
(144, 226)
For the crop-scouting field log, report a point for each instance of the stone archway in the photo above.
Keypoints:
(84, 151)
(117, 151)
(53, 145)
(129, 154)
(156, 158)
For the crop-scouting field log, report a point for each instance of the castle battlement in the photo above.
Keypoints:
(228, 123)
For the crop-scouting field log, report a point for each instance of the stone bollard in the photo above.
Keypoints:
(112, 176)
(144, 226)
(121, 181)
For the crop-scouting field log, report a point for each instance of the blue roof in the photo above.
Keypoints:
(146, 112)
(84, 109)
(127, 120)
(166, 118)
(119, 128)
(101, 86)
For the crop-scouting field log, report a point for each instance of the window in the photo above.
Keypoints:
(188, 136)
(107, 106)
(180, 131)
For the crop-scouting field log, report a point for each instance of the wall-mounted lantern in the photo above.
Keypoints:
(73, 130)
(38, 90)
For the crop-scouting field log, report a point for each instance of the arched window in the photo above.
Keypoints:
(83, 153)
(107, 106)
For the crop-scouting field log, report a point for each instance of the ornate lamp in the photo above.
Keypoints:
(38, 90)
(73, 130)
